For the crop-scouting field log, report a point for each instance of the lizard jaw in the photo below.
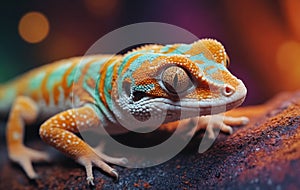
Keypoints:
(190, 108)
(201, 110)
(213, 106)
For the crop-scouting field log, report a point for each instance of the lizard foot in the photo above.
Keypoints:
(221, 122)
(25, 156)
(95, 160)
(211, 122)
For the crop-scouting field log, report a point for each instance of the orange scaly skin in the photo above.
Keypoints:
(83, 93)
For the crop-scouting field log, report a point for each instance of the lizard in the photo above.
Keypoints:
(82, 93)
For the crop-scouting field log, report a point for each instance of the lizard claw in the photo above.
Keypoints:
(90, 181)
(94, 159)
(115, 174)
(36, 177)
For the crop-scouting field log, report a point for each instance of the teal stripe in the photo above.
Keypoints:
(9, 94)
(94, 74)
(36, 81)
(125, 60)
(100, 104)
(182, 48)
(56, 76)
(77, 71)
(216, 67)
(107, 84)
(165, 49)
(94, 69)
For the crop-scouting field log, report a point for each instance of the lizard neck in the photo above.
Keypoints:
(103, 91)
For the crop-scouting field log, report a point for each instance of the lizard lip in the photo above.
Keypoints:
(212, 106)
(196, 109)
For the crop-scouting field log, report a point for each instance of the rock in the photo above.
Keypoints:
(263, 154)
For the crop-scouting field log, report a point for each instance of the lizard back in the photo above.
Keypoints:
(62, 84)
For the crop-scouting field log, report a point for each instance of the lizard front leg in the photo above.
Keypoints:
(23, 111)
(59, 130)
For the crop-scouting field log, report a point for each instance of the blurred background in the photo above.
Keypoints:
(262, 37)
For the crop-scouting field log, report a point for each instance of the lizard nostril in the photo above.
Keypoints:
(228, 90)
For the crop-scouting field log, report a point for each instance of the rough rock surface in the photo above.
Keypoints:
(265, 154)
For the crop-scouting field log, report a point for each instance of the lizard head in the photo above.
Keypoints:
(166, 80)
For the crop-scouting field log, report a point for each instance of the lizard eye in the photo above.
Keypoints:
(176, 80)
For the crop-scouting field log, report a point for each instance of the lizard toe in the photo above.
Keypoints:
(115, 174)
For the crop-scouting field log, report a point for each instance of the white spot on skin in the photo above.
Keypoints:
(63, 124)
(62, 117)
(73, 124)
(83, 116)
(69, 141)
(16, 135)
(69, 136)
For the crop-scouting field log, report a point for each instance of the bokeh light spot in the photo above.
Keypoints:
(102, 8)
(34, 27)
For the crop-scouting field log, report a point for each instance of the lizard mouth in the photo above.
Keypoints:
(186, 108)
(194, 109)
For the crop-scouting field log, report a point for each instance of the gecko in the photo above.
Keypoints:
(82, 93)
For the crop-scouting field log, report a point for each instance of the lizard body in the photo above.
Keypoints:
(82, 93)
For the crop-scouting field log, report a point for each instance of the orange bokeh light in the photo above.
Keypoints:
(34, 27)
(102, 8)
